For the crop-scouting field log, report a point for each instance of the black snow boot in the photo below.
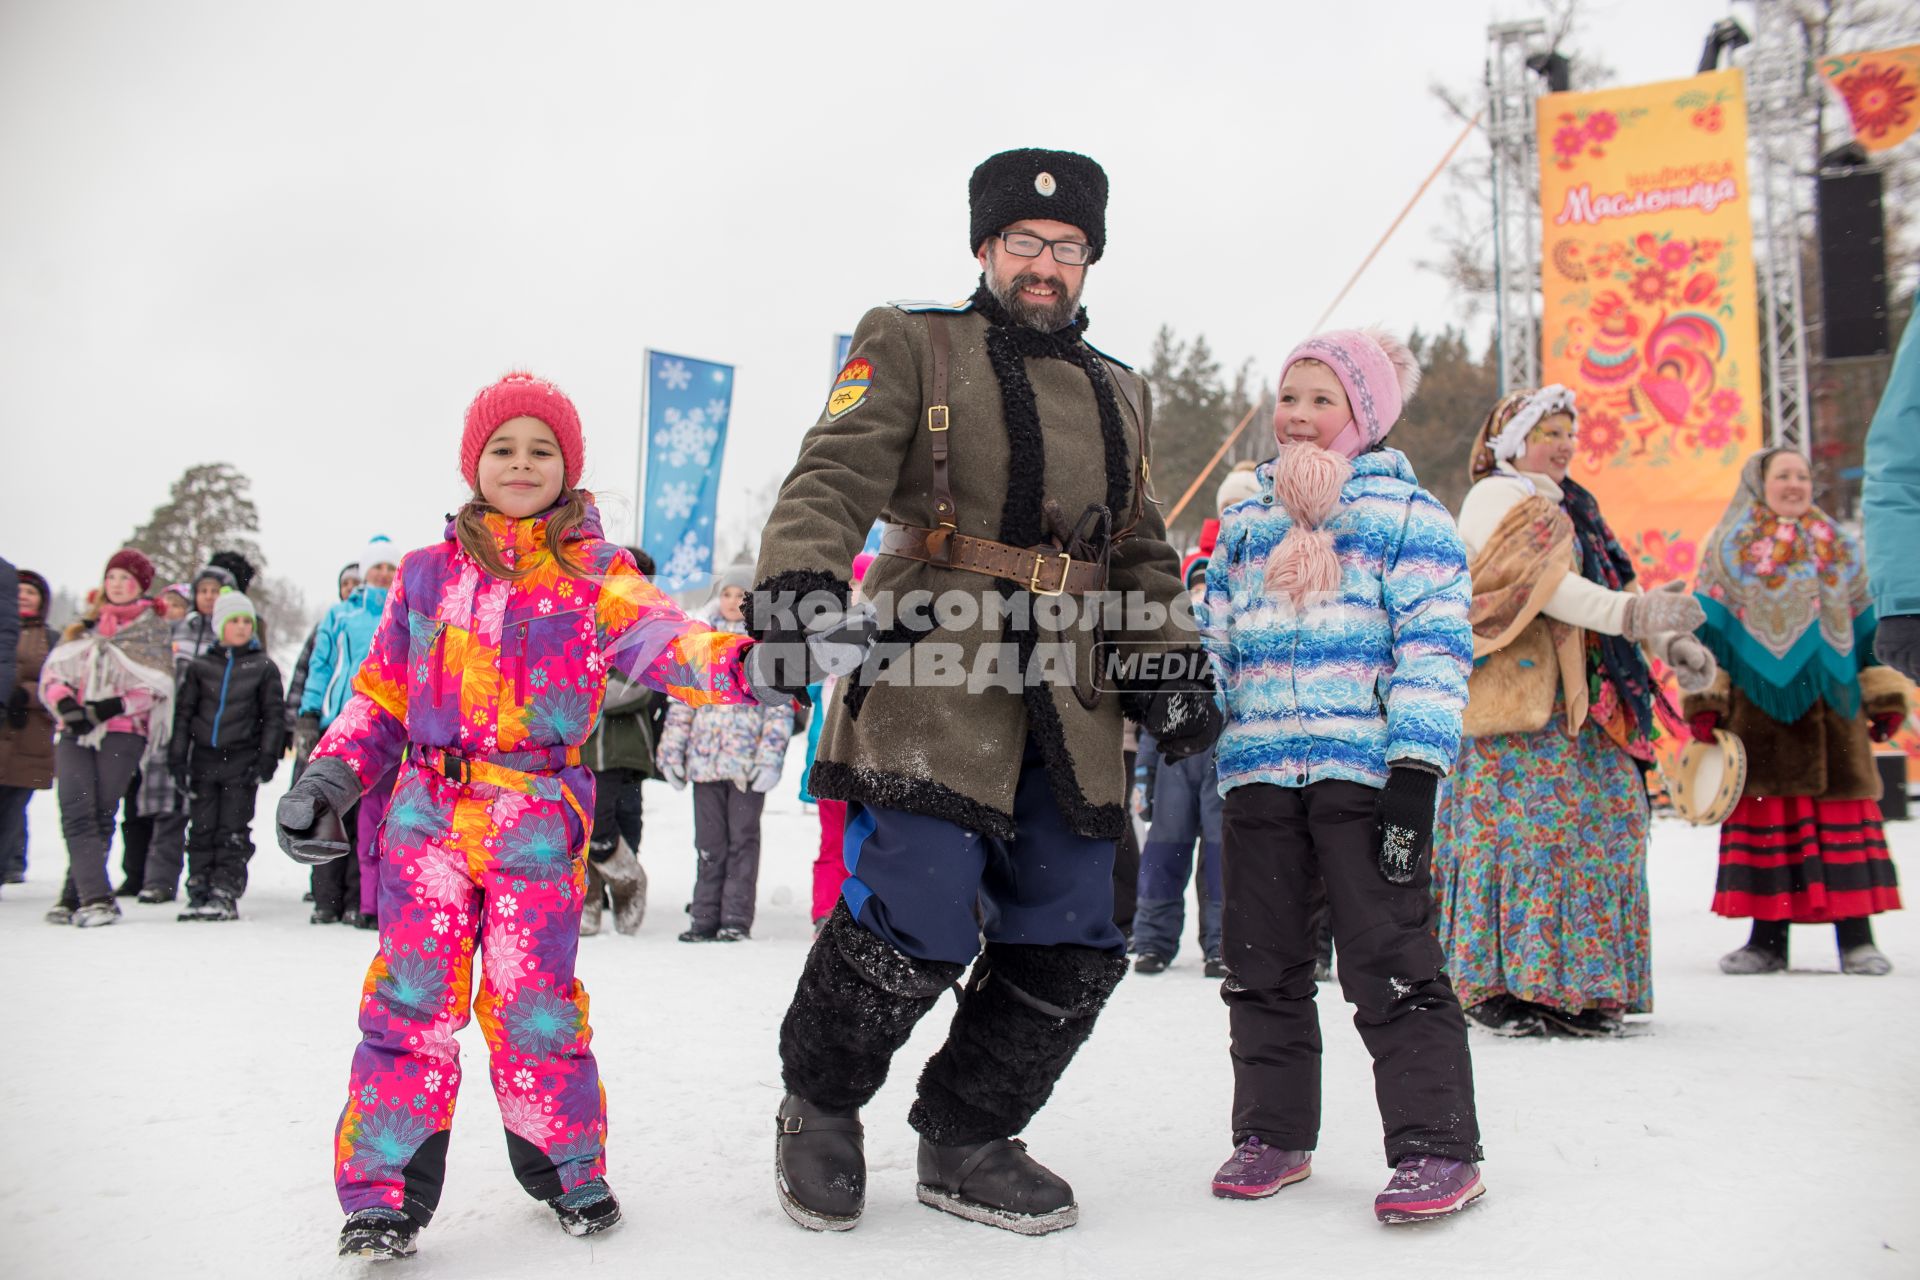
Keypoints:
(379, 1234)
(856, 1003)
(1026, 1012)
(998, 1183)
(588, 1209)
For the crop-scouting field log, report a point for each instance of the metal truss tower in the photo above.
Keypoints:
(1511, 92)
(1780, 96)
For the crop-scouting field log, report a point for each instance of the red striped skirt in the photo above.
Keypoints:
(1804, 860)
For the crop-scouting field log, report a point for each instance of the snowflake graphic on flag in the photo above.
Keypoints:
(688, 563)
(676, 500)
(675, 374)
(688, 439)
(716, 411)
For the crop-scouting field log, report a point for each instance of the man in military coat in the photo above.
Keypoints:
(979, 747)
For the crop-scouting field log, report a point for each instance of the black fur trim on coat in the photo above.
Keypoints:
(857, 1001)
(786, 591)
(1026, 1013)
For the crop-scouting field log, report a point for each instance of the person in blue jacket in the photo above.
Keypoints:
(1890, 508)
(339, 646)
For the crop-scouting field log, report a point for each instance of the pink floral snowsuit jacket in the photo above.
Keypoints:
(489, 687)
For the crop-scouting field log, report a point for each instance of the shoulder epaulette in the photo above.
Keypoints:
(1109, 359)
(914, 306)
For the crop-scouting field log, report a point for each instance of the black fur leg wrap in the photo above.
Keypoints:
(856, 1003)
(1026, 1013)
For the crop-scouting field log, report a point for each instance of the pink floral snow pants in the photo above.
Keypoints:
(494, 864)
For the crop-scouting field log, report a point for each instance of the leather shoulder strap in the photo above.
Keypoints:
(945, 513)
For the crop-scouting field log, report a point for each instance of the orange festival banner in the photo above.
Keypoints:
(1882, 93)
(1649, 304)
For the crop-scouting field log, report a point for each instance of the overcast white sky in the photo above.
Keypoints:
(298, 237)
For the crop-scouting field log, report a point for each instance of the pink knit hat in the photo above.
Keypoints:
(1378, 372)
(521, 395)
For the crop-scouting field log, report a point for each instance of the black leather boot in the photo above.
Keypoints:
(998, 1183)
(856, 1003)
(1026, 1012)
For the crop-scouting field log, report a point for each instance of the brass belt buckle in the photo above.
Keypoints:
(1039, 563)
(937, 417)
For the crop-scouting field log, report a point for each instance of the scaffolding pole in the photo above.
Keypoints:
(1779, 97)
(1512, 90)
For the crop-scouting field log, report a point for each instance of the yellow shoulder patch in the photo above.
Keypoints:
(849, 387)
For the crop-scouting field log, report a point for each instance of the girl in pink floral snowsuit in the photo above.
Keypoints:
(484, 677)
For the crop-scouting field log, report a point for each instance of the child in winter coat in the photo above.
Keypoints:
(228, 728)
(620, 753)
(732, 755)
(340, 644)
(483, 679)
(1336, 610)
(110, 685)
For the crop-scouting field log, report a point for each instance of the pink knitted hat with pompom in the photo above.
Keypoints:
(1378, 372)
(521, 395)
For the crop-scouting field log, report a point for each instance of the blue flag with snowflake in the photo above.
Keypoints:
(688, 402)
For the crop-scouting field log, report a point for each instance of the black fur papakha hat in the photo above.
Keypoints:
(1062, 186)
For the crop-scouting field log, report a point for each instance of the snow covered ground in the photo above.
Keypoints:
(170, 1092)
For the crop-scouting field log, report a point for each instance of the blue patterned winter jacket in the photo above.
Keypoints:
(1357, 681)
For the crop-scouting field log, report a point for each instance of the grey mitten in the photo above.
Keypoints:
(1671, 608)
(309, 822)
(1692, 663)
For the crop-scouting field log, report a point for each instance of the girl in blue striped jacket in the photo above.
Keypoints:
(1336, 610)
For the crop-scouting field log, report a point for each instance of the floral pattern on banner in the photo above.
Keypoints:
(1663, 555)
(1648, 335)
(1882, 93)
(1707, 111)
(1582, 134)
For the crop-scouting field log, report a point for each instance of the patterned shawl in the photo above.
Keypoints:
(1788, 612)
(137, 655)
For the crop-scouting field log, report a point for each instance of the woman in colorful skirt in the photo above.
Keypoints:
(1540, 847)
(1788, 616)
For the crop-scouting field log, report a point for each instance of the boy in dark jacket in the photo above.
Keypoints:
(228, 729)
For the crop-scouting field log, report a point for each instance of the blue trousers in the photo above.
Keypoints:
(933, 889)
(1186, 807)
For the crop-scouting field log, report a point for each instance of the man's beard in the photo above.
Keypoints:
(1048, 318)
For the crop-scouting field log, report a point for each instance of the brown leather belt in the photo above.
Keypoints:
(1041, 570)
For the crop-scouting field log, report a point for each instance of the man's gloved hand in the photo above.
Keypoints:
(1183, 718)
(765, 780)
(1406, 820)
(1703, 725)
(308, 821)
(675, 774)
(73, 716)
(1897, 643)
(105, 709)
(1671, 608)
(1885, 725)
(266, 768)
(1692, 662)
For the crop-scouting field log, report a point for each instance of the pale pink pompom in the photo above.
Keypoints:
(1306, 481)
(1406, 365)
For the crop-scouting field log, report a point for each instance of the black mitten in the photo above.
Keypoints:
(1406, 821)
(105, 709)
(74, 716)
(17, 708)
(308, 820)
(1183, 718)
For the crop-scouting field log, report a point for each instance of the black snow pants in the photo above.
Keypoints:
(1277, 842)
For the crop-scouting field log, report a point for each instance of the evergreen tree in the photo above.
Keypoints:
(1193, 410)
(1456, 393)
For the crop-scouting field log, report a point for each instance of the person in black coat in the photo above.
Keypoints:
(228, 730)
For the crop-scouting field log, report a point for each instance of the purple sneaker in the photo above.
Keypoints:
(1256, 1169)
(1425, 1187)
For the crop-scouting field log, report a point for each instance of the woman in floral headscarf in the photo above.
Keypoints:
(1788, 616)
(1540, 849)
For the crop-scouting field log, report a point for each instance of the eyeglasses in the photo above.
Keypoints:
(1068, 253)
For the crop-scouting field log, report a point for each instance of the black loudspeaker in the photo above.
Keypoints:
(1853, 263)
